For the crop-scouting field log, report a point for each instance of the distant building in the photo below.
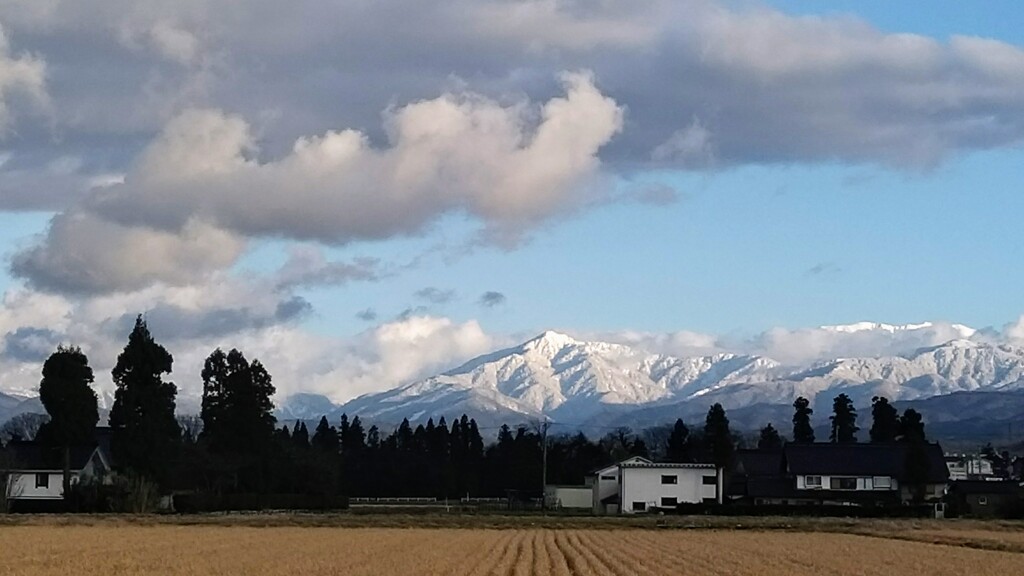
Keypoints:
(969, 467)
(986, 498)
(835, 474)
(36, 477)
(638, 485)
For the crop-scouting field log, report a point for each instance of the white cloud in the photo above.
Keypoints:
(83, 253)
(23, 77)
(196, 193)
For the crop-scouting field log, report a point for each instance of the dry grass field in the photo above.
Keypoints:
(116, 547)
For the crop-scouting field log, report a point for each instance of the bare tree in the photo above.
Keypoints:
(24, 426)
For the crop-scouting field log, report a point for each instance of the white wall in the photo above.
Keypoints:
(866, 483)
(569, 497)
(644, 485)
(22, 485)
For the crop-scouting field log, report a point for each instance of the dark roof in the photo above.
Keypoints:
(856, 459)
(984, 487)
(35, 456)
(758, 462)
(668, 465)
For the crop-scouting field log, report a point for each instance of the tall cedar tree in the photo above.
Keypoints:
(803, 432)
(770, 439)
(300, 435)
(844, 420)
(911, 426)
(70, 401)
(917, 464)
(325, 437)
(145, 432)
(237, 410)
(885, 420)
(718, 437)
(678, 447)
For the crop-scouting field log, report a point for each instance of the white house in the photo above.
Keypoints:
(638, 485)
(37, 473)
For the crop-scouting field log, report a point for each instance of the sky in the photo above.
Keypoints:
(362, 194)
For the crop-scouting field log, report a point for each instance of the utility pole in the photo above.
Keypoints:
(544, 465)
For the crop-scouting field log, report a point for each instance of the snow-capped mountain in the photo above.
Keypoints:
(557, 377)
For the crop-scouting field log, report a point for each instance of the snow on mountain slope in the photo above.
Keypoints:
(571, 381)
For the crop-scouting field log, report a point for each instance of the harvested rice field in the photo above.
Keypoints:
(205, 549)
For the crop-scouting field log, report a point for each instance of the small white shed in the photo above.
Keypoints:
(568, 497)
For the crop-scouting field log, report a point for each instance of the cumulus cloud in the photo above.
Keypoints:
(84, 253)
(765, 85)
(27, 344)
(196, 193)
(491, 299)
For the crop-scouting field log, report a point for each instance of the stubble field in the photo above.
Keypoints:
(87, 550)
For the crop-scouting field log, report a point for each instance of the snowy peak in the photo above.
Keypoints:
(960, 330)
(569, 380)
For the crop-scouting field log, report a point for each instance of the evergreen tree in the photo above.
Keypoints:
(354, 441)
(718, 439)
(238, 419)
(325, 437)
(917, 462)
(803, 432)
(145, 431)
(911, 426)
(373, 438)
(237, 409)
(770, 439)
(69, 399)
(678, 447)
(300, 435)
(844, 420)
(718, 436)
(885, 420)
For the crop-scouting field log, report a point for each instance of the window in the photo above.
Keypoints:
(639, 506)
(844, 484)
(42, 480)
(669, 502)
(608, 477)
(881, 482)
(710, 481)
(812, 481)
(669, 479)
(983, 500)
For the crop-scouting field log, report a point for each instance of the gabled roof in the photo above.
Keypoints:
(614, 466)
(33, 456)
(855, 459)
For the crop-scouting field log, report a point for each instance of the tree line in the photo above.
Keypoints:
(235, 445)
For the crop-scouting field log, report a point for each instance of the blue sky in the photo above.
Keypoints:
(331, 183)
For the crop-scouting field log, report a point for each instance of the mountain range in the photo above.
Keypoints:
(965, 387)
(598, 385)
